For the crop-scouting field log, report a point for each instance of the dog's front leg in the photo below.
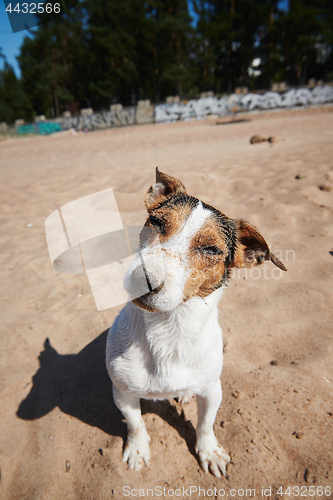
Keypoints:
(137, 446)
(211, 454)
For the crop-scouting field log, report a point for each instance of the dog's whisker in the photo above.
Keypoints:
(205, 303)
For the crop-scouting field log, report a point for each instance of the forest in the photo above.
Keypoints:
(102, 52)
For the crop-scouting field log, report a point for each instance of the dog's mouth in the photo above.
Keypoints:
(144, 302)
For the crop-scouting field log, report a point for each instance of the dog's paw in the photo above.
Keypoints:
(214, 459)
(137, 451)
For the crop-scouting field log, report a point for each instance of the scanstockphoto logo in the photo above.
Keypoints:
(25, 15)
(268, 271)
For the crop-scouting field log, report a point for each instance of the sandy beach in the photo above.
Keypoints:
(61, 434)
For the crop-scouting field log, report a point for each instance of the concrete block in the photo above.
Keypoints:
(3, 127)
(116, 107)
(86, 111)
(40, 118)
(173, 99)
(145, 113)
(143, 104)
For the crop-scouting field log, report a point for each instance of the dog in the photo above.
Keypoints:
(167, 343)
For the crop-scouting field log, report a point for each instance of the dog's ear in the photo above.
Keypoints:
(251, 248)
(164, 187)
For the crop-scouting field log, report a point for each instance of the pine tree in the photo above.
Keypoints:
(52, 62)
(14, 103)
(174, 42)
(304, 37)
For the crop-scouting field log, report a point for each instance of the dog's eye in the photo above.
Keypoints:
(211, 250)
(157, 223)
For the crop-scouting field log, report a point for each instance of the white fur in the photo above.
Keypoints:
(172, 353)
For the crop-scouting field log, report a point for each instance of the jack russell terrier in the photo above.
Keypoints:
(167, 343)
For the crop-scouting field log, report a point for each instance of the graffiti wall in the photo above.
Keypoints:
(226, 105)
(95, 121)
(187, 110)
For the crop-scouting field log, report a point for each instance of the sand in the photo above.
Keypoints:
(61, 435)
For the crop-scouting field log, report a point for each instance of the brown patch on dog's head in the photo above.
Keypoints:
(166, 220)
(165, 187)
(168, 206)
(209, 258)
(220, 245)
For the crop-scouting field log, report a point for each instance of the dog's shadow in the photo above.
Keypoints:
(79, 385)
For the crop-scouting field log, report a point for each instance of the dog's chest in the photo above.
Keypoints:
(169, 358)
(167, 377)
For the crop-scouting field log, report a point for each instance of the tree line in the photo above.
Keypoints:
(103, 52)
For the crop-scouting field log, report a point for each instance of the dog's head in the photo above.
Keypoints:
(189, 247)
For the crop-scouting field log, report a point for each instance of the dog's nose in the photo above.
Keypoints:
(146, 275)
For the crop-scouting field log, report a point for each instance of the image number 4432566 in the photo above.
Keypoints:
(24, 15)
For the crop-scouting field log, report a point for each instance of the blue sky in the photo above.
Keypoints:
(9, 42)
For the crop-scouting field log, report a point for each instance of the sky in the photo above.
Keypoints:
(9, 42)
